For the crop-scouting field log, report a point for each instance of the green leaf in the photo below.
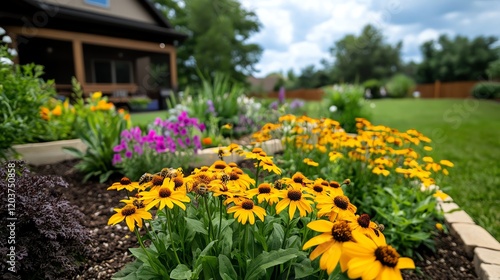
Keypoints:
(226, 269)
(142, 256)
(129, 272)
(303, 269)
(146, 272)
(276, 237)
(196, 226)
(181, 271)
(257, 267)
(74, 151)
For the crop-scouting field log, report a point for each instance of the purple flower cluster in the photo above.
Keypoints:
(164, 137)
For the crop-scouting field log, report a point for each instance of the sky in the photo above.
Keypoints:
(298, 33)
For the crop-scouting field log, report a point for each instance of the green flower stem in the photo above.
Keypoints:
(210, 230)
(169, 225)
(152, 263)
(220, 218)
(257, 174)
(286, 232)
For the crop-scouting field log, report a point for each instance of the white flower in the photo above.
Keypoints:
(2, 31)
(12, 52)
(7, 39)
(372, 105)
(333, 108)
(4, 60)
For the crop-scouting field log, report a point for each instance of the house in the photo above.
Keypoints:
(119, 47)
(263, 85)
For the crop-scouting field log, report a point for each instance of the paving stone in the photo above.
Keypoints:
(458, 217)
(448, 206)
(486, 256)
(489, 272)
(474, 236)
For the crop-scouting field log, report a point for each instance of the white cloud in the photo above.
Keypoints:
(298, 33)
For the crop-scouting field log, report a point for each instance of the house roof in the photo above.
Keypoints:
(18, 12)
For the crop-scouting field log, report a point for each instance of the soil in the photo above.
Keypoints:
(110, 244)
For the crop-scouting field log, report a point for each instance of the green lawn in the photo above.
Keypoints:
(146, 118)
(467, 132)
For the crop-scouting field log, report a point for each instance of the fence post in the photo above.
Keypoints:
(437, 89)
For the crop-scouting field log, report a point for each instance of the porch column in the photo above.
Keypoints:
(78, 60)
(173, 69)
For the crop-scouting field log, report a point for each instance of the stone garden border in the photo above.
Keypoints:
(479, 244)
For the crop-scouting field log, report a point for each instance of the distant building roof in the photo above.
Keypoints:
(266, 84)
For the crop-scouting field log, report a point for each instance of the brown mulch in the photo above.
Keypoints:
(110, 244)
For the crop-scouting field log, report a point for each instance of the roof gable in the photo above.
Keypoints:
(135, 10)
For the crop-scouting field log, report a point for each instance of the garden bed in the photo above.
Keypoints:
(110, 244)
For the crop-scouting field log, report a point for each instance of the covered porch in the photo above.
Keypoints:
(119, 67)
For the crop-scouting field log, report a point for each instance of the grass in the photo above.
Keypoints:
(467, 132)
(146, 118)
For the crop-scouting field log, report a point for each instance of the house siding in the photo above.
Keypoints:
(128, 9)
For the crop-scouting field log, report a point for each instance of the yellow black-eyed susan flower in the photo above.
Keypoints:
(131, 214)
(246, 210)
(373, 258)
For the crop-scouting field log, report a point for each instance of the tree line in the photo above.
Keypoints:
(219, 30)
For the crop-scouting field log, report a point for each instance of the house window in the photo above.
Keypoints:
(112, 72)
(100, 3)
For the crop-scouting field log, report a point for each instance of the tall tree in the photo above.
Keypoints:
(458, 59)
(367, 56)
(218, 33)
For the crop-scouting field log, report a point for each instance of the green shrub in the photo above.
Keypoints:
(493, 70)
(22, 93)
(374, 86)
(98, 125)
(486, 90)
(139, 102)
(345, 104)
(50, 241)
(400, 85)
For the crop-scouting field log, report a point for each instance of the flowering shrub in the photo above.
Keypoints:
(221, 223)
(170, 142)
(60, 119)
(388, 168)
(98, 124)
(22, 92)
(345, 104)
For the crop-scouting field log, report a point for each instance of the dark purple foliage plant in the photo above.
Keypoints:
(41, 236)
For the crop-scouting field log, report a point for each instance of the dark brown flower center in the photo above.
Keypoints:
(347, 182)
(247, 204)
(234, 176)
(294, 195)
(165, 192)
(318, 188)
(265, 188)
(334, 184)
(220, 166)
(387, 256)
(298, 179)
(341, 201)
(324, 183)
(128, 210)
(364, 220)
(178, 182)
(157, 180)
(341, 231)
(125, 181)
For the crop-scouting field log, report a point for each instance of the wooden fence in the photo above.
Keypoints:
(305, 94)
(434, 90)
(446, 90)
